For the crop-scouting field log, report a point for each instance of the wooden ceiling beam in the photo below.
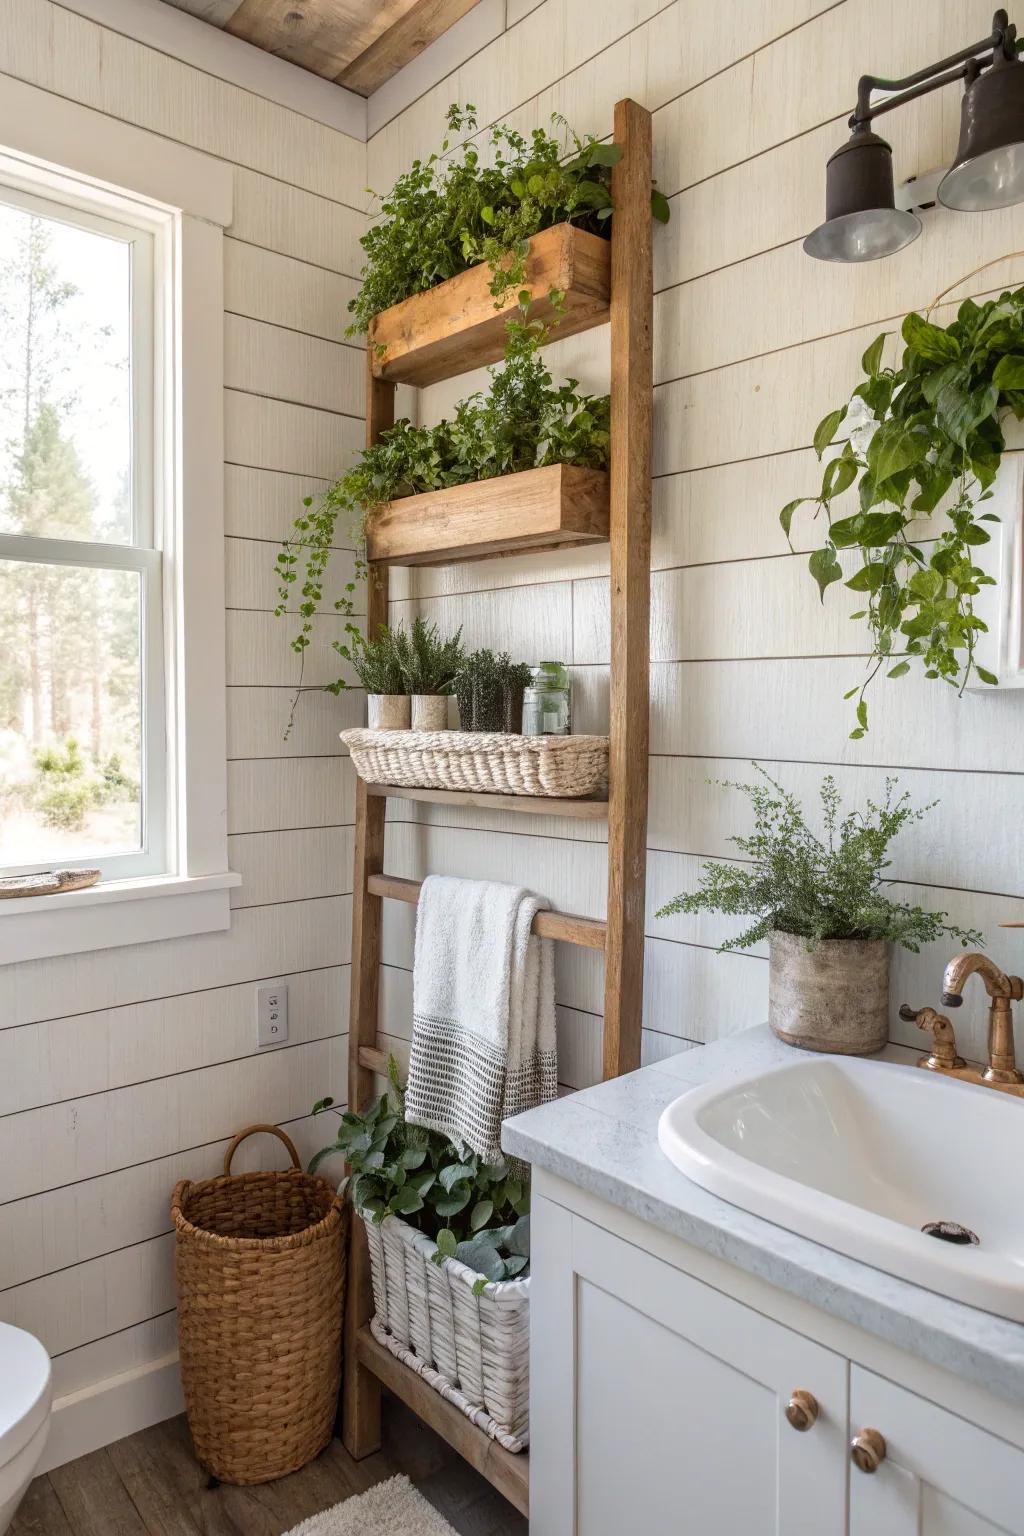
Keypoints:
(422, 23)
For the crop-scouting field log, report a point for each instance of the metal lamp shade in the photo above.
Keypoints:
(862, 222)
(988, 171)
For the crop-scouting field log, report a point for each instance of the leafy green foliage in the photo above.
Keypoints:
(489, 690)
(65, 785)
(818, 888)
(470, 203)
(429, 664)
(525, 421)
(920, 435)
(378, 663)
(476, 1212)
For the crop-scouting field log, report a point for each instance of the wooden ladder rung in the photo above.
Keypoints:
(586, 931)
(373, 1060)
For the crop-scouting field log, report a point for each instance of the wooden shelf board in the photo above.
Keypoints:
(506, 1471)
(537, 805)
(588, 932)
(556, 507)
(455, 327)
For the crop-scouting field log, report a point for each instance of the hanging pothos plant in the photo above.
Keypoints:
(920, 435)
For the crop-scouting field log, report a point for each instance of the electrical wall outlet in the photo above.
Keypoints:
(271, 1015)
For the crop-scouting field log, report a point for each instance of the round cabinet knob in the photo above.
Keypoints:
(867, 1450)
(802, 1409)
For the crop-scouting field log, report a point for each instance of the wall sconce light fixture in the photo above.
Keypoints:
(862, 222)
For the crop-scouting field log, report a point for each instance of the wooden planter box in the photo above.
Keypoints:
(455, 326)
(547, 508)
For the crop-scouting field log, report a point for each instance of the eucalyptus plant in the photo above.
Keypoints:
(819, 888)
(473, 202)
(923, 437)
(476, 1212)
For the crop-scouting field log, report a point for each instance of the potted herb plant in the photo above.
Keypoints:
(449, 1241)
(489, 690)
(378, 665)
(429, 668)
(819, 901)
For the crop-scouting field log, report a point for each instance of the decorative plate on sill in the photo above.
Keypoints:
(50, 883)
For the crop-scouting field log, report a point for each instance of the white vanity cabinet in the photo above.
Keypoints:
(659, 1407)
(942, 1476)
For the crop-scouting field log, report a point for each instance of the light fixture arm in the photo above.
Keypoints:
(965, 64)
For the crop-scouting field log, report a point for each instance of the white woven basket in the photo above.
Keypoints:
(482, 761)
(474, 1350)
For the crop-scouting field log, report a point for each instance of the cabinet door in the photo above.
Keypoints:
(658, 1404)
(941, 1476)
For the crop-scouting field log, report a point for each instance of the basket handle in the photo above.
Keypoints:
(251, 1130)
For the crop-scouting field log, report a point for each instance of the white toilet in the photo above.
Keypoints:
(25, 1396)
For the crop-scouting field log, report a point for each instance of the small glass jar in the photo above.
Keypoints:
(547, 702)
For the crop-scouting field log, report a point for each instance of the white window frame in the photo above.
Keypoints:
(57, 150)
(141, 554)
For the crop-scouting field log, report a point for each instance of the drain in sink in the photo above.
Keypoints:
(950, 1232)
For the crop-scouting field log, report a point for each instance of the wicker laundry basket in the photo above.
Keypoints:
(260, 1269)
(474, 1350)
(485, 762)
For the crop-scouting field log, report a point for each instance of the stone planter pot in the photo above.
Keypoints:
(387, 711)
(833, 998)
(430, 711)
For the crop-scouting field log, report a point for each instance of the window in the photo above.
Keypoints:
(112, 642)
(82, 713)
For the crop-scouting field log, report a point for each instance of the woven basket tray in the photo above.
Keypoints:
(473, 1350)
(482, 762)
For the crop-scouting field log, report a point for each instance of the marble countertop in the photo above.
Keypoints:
(605, 1140)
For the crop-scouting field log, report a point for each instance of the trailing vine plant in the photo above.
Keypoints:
(460, 207)
(470, 203)
(923, 435)
(524, 421)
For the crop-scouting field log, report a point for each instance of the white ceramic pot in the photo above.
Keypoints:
(387, 711)
(832, 998)
(430, 711)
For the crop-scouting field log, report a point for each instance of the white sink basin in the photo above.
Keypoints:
(859, 1155)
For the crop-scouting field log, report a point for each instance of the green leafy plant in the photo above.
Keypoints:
(525, 421)
(378, 663)
(470, 203)
(817, 887)
(489, 691)
(430, 664)
(925, 433)
(476, 1212)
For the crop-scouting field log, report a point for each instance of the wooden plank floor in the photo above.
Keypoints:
(151, 1485)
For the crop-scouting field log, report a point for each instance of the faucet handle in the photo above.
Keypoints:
(943, 1039)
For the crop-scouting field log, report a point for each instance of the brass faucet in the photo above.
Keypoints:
(1001, 1071)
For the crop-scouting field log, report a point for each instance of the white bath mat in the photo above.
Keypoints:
(393, 1508)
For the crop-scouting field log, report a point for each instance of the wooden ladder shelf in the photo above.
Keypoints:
(368, 1365)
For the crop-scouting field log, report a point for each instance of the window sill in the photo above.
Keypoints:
(114, 913)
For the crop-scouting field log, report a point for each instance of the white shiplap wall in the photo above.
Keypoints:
(753, 342)
(128, 1069)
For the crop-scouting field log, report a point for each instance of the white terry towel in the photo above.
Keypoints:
(483, 1003)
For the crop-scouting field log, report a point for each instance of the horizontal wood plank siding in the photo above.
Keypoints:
(753, 344)
(125, 1070)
